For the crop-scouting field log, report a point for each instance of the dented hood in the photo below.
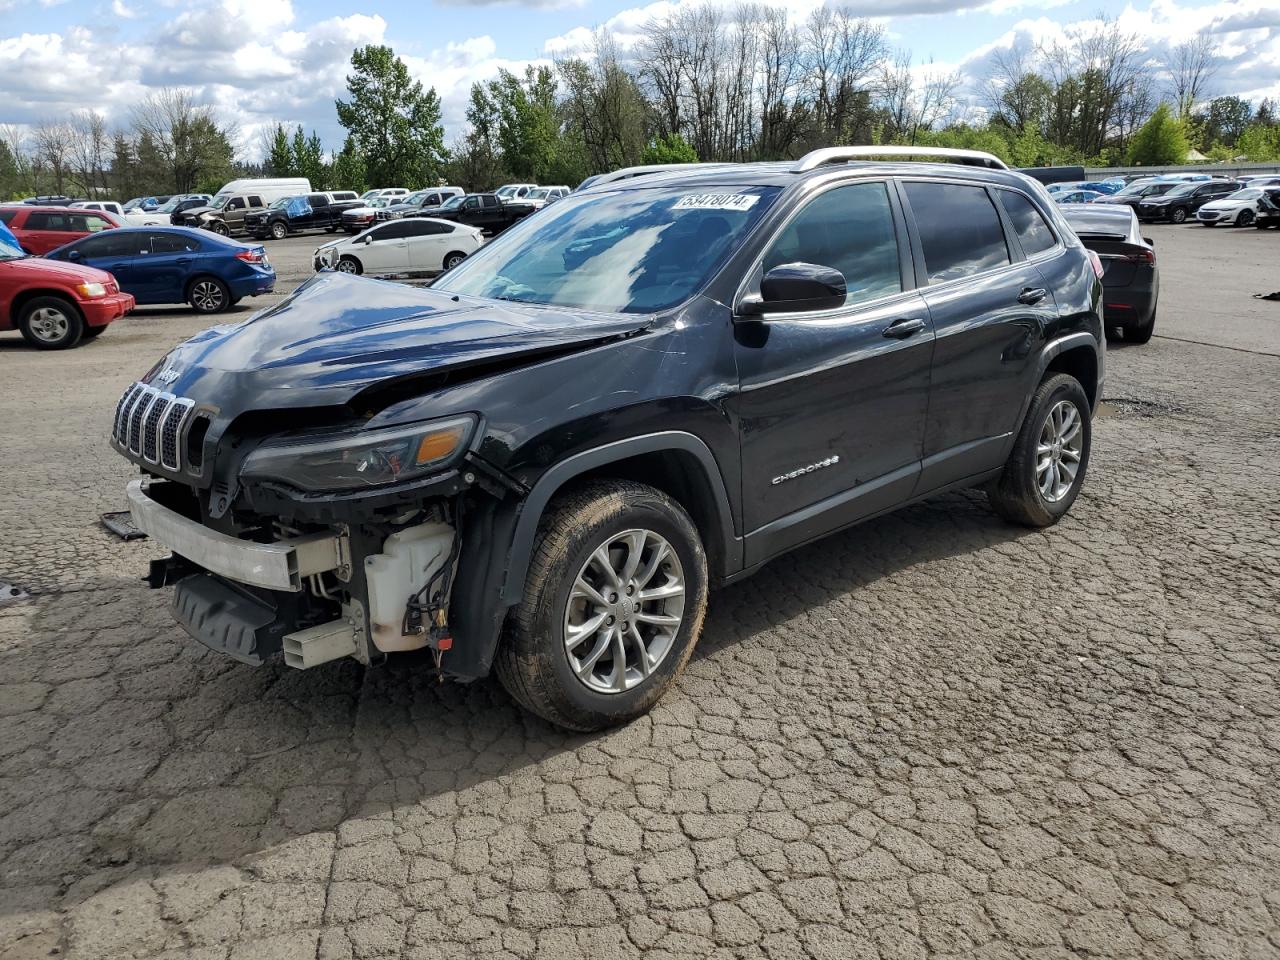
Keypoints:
(338, 334)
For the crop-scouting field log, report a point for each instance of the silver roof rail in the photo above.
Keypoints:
(827, 155)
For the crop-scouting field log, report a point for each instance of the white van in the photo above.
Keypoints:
(268, 188)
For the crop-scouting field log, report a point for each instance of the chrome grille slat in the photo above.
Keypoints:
(156, 412)
(149, 424)
(169, 451)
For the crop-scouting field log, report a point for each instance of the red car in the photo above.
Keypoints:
(55, 304)
(41, 229)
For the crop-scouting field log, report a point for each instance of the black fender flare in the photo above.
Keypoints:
(499, 538)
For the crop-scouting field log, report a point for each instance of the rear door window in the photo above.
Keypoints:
(960, 230)
(172, 243)
(851, 229)
(1033, 232)
(6, 216)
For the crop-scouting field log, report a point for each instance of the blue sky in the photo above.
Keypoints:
(258, 61)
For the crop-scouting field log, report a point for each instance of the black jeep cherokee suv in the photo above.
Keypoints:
(542, 463)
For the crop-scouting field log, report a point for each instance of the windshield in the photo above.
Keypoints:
(170, 205)
(220, 201)
(507, 190)
(633, 251)
(1182, 189)
(539, 194)
(283, 201)
(1249, 193)
(452, 203)
(415, 197)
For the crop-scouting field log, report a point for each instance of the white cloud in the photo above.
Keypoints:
(262, 61)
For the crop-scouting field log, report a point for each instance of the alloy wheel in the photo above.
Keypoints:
(206, 296)
(346, 265)
(453, 262)
(48, 324)
(1059, 451)
(625, 609)
(1245, 218)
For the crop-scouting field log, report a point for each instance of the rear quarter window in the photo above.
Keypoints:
(6, 216)
(960, 231)
(1033, 232)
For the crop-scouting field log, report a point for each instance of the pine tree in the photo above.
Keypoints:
(280, 161)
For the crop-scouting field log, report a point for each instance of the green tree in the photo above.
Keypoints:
(280, 161)
(1260, 143)
(1161, 140)
(392, 120)
(672, 148)
(528, 132)
(308, 159)
(346, 169)
(1223, 120)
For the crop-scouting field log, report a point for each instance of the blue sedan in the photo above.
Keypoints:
(175, 265)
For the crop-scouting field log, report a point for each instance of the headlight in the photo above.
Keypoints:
(91, 290)
(366, 459)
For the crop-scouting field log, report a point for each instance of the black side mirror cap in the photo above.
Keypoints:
(799, 288)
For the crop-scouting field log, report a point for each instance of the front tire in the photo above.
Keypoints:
(221, 229)
(1178, 216)
(1245, 218)
(208, 295)
(51, 323)
(1050, 456)
(453, 258)
(349, 264)
(613, 605)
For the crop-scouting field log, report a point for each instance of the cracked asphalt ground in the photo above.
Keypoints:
(934, 735)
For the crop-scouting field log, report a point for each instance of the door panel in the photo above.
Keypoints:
(989, 308)
(831, 405)
(814, 391)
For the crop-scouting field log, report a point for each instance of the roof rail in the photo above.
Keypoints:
(820, 158)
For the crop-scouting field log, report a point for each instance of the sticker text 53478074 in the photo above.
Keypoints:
(717, 201)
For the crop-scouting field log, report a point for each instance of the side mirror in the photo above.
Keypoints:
(73, 254)
(797, 288)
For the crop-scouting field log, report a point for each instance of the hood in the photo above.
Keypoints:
(199, 211)
(337, 334)
(60, 270)
(360, 210)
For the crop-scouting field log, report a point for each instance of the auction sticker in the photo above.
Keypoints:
(716, 201)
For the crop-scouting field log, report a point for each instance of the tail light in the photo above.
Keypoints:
(1094, 259)
(1142, 256)
(254, 255)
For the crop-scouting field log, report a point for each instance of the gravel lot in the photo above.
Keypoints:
(934, 735)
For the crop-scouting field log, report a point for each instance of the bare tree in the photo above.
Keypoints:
(1191, 67)
(1092, 71)
(90, 149)
(910, 107)
(53, 143)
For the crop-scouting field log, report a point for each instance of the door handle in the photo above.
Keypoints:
(183, 260)
(1031, 295)
(901, 329)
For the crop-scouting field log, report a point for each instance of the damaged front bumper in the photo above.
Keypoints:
(305, 595)
(282, 565)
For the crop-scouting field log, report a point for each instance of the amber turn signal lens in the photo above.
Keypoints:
(440, 444)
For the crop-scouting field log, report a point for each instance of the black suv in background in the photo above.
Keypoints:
(540, 464)
(312, 211)
(1180, 203)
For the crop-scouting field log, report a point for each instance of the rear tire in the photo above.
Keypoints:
(1141, 334)
(208, 295)
(1034, 490)
(552, 660)
(453, 258)
(51, 323)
